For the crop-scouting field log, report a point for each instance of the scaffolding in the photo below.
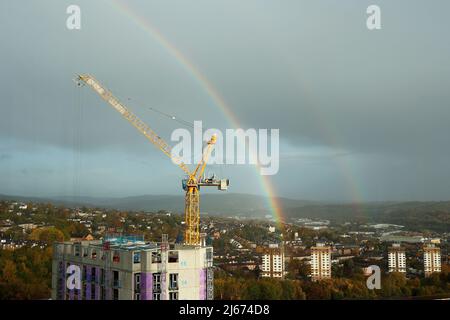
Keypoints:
(164, 248)
(210, 283)
(106, 282)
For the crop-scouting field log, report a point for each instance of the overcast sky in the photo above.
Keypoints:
(363, 115)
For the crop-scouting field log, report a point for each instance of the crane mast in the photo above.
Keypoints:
(194, 179)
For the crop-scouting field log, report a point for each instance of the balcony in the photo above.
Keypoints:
(117, 283)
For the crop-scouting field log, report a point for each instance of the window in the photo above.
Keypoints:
(102, 276)
(157, 296)
(116, 282)
(93, 274)
(137, 257)
(173, 256)
(116, 294)
(77, 250)
(137, 282)
(94, 254)
(173, 281)
(116, 257)
(84, 273)
(76, 294)
(102, 293)
(173, 295)
(137, 296)
(157, 282)
(84, 292)
(93, 297)
(156, 257)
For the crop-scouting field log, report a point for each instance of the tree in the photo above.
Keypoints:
(270, 289)
(49, 235)
(253, 291)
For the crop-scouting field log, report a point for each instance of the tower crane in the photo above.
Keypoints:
(194, 180)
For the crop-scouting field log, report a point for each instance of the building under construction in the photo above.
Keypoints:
(128, 268)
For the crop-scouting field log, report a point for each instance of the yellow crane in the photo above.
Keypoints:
(194, 179)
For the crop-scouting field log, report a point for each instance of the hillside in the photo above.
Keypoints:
(216, 204)
(414, 215)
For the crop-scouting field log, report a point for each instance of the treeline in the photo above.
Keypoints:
(251, 289)
(25, 273)
(393, 286)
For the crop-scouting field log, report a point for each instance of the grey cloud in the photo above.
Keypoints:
(309, 68)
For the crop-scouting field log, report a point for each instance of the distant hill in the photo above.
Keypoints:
(414, 215)
(216, 204)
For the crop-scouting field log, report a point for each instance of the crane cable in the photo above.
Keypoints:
(172, 117)
(189, 124)
(77, 140)
(177, 119)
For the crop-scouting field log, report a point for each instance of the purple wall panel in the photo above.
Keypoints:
(97, 287)
(88, 282)
(202, 293)
(146, 286)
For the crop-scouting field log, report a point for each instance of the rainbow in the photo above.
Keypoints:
(208, 87)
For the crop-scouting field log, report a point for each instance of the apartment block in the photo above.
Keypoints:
(320, 262)
(273, 262)
(431, 259)
(127, 268)
(396, 258)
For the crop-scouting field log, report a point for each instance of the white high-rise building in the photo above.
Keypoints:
(320, 262)
(396, 258)
(431, 259)
(273, 262)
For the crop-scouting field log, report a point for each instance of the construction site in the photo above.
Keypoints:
(125, 267)
(128, 268)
